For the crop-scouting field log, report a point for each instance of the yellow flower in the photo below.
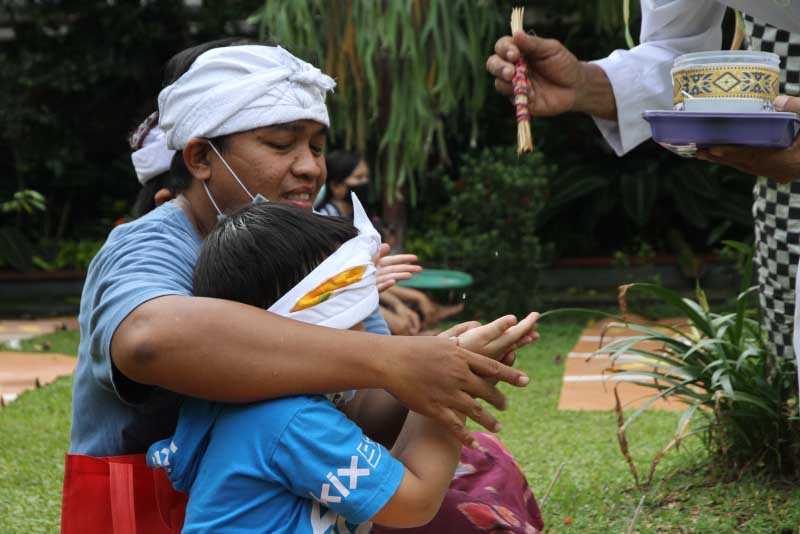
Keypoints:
(323, 292)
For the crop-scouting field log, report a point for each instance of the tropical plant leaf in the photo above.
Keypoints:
(571, 192)
(16, 249)
(691, 310)
(748, 396)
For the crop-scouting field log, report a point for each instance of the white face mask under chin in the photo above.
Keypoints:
(257, 199)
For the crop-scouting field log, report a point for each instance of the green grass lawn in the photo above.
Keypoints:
(65, 342)
(595, 492)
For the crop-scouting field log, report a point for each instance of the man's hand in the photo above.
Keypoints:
(779, 164)
(417, 298)
(559, 81)
(435, 377)
(554, 72)
(393, 268)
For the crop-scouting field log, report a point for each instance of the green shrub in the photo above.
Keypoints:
(488, 229)
(740, 397)
(77, 77)
(16, 249)
(66, 254)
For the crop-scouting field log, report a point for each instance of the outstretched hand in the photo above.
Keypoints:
(501, 336)
(393, 268)
(499, 339)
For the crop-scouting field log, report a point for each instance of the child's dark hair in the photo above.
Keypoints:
(261, 251)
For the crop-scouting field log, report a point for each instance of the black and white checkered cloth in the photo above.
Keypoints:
(776, 207)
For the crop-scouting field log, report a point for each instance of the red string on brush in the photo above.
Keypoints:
(521, 85)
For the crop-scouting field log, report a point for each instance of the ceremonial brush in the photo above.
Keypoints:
(521, 84)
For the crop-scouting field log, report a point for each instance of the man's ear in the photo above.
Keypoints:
(195, 157)
(163, 195)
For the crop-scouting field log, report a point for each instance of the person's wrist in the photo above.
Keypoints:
(593, 92)
(586, 73)
(387, 352)
(394, 353)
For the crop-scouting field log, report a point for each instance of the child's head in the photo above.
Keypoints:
(261, 251)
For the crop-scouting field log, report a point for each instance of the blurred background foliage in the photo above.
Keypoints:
(413, 94)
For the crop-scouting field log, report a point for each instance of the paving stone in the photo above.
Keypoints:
(589, 380)
(21, 371)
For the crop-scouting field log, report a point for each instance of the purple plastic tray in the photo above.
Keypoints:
(693, 129)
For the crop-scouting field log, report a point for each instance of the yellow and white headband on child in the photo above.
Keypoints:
(341, 292)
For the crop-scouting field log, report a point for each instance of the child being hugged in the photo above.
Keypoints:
(301, 464)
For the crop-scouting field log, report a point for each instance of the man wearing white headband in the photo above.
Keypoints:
(147, 342)
(247, 122)
(297, 464)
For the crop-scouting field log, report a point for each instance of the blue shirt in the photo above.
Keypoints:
(295, 464)
(150, 257)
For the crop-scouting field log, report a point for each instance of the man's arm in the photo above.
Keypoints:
(641, 78)
(631, 81)
(227, 351)
(596, 95)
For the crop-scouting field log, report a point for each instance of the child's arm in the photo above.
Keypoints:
(379, 415)
(425, 447)
(430, 456)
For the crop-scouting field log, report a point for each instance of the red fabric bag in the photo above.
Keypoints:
(118, 495)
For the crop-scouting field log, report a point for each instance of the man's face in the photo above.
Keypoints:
(284, 163)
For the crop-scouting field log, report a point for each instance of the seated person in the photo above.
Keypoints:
(409, 311)
(300, 464)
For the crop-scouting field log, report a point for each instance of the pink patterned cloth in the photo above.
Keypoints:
(489, 493)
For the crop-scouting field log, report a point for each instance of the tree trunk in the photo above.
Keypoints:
(395, 220)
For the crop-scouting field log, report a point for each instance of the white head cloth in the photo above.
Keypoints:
(154, 157)
(237, 88)
(341, 291)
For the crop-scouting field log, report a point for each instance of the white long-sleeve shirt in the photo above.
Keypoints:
(640, 77)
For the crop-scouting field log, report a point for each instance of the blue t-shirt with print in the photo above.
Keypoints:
(295, 464)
